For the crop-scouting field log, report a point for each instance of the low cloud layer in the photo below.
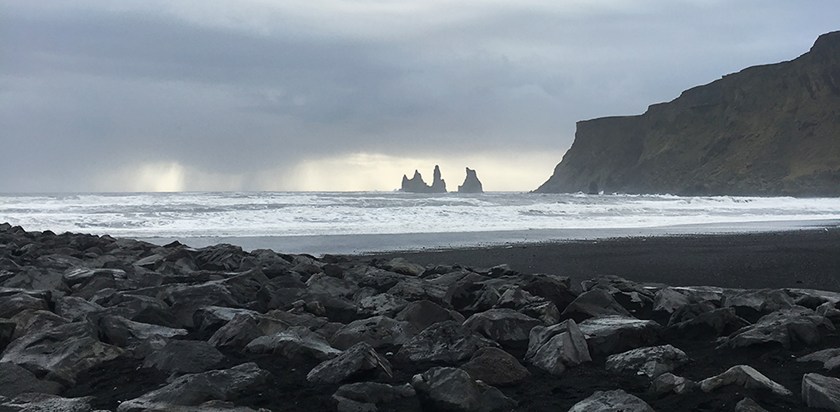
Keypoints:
(287, 95)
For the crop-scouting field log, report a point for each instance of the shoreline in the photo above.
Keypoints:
(806, 258)
(368, 244)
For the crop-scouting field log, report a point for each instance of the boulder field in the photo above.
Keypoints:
(98, 323)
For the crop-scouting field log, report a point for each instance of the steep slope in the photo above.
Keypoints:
(766, 130)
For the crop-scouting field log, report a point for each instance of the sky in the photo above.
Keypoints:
(174, 95)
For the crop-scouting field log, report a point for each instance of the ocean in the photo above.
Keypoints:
(360, 222)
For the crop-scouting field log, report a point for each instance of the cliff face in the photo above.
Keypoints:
(767, 130)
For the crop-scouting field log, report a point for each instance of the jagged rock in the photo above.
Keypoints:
(712, 141)
(544, 311)
(139, 308)
(447, 341)
(360, 357)
(60, 353)
(84, 282)
(370, 394)
(30, 321)
(128, 334)
(749, 303)
(244, 287)
(630, 295)
(611, 401)
(514, 297)
(615, 334)
(419, 289)
(417, 185)
(505, 326)
(471, 183)
(211, 318)
(424, 313)
(556, 289)
(13, 303)
(75, 308)
(786, 327)
(594, 303)
(668, 382)
(184, 356)
(744, 376)
(195, 389)
(237, 333)
(748, 405)
(495, 367)
(830, 358)
(453, 389)
(15, 380)
(651, 361)
(378, 331)
(295, 342)
(381, 304)
(376, 278)
(713, 323)
(7, 331)
(222, 257)
(821, 391)
(185, 300)
(554, 348)
(404, 267)
(42, 402)
(668, 300)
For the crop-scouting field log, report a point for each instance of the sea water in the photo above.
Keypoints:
(376, 221)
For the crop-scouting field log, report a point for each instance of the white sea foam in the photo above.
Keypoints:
(180, 215)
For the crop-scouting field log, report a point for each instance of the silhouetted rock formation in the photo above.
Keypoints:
(767, 130)
(471, 183)
(417, 185)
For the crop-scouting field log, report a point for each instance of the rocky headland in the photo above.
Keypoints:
(98, 323)
(471, 183)
(771, 130)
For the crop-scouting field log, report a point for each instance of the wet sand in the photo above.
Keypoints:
(795, 259)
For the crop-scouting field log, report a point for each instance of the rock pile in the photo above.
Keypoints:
(98, 323)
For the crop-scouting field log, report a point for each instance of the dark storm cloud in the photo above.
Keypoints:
(88, 89)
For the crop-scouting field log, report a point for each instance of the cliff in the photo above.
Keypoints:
(767, 130)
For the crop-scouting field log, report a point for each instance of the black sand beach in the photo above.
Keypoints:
(130, 300)
(808, 258)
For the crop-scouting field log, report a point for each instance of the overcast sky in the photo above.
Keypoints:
(105, 95)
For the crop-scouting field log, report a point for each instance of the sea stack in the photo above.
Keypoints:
(417, 185)
(471, 183)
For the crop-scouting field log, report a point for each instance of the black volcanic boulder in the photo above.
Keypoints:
(448, 342)
(608, 401)
(494, 366)
(615, 334)
(453, 389)
(184, 356)
(556, 347)
(195, 389)
(358, 359)
(61, 353)
(594, 303)
(505, 326)
(786, 327)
